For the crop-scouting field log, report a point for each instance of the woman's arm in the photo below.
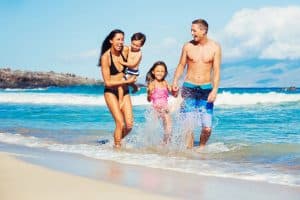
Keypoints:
(108, 81)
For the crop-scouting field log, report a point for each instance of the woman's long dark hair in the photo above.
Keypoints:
(106, 44)
(150, 76)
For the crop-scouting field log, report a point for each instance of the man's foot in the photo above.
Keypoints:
(200, 149)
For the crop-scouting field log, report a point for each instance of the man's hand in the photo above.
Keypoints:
(212, 96)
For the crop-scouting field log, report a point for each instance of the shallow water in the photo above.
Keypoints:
(256, 132)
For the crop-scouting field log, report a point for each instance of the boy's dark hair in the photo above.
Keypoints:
(139, 36)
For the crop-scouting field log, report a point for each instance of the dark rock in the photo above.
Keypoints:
(29, 79)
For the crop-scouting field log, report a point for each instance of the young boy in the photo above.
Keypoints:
(133, 61)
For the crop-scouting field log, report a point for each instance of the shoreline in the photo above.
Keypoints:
(145, 181)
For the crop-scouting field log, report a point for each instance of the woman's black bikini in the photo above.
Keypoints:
(114, 71)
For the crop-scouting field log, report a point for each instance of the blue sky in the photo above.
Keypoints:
(259, 38)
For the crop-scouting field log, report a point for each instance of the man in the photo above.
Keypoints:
(202, 57)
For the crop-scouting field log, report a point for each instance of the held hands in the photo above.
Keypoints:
(175, 90)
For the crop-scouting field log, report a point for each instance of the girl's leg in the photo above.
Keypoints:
(189, 139)
(167, 123)
(113, 105)
(127, 115)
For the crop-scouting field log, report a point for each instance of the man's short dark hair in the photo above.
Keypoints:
(202, 22)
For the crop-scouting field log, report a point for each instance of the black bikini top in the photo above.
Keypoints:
(113, 68)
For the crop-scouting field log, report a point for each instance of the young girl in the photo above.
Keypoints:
(133, 60)
(158, 93)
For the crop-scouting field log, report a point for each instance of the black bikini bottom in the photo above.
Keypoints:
(114, 90)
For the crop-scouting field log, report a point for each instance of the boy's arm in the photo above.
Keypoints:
(132, 63)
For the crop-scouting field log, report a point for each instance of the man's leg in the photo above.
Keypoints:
(206, 120)
(205, 134)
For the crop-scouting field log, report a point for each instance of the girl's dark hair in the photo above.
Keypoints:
(139, 36)
(150, 76)
(106, 44)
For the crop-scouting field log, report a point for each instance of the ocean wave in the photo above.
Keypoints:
(224, 98)
(23, 90)
(228, 98)
(176, 162)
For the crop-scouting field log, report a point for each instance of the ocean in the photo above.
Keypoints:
(256, 131)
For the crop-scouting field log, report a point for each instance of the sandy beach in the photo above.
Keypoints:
(22, 180)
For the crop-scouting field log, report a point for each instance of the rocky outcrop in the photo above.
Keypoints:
(27, 79)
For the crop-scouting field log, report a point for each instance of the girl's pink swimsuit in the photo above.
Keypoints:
(159, 98)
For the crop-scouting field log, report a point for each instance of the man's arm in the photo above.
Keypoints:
(180, 68)
(216, 74)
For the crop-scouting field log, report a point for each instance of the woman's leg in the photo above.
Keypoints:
(113, 105)
(127, 114)
(121, 95)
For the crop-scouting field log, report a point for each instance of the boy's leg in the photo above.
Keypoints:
(133, 85)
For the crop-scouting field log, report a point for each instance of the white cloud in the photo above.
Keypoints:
(270, 32)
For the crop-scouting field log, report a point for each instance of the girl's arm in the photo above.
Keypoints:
(105, 62)
(149, 91)
(169, 87)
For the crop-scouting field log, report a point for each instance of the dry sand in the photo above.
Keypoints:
(20, 180)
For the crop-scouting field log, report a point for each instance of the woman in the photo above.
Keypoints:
(112, 52)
